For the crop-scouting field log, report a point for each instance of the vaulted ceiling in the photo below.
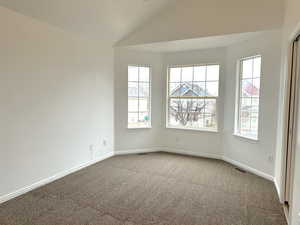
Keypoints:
(100, 19)
(189, 19)
(131, 22)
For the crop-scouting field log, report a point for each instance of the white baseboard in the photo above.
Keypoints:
(197, 154)
(191, 153)
(248, 168)
(278, 189)
(48, 180)
(138, 151)
(169, 150)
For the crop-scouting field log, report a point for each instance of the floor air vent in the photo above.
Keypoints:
(240, 170)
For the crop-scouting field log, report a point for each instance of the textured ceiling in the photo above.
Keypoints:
(105, 19)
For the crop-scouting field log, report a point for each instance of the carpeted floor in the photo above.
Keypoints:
(156, 188)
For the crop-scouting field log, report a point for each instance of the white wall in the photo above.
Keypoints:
(56, 96)
(255, 153)
(130, 139)
(197, 142)
(193, 19)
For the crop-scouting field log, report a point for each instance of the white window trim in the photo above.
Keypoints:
(236, 131)
(150, 97)
(215, 130)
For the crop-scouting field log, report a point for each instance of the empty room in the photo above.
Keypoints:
(149, 112)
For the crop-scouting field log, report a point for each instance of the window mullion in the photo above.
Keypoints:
(138, 94)
(240, 98)
(252, 95)
(205, 91)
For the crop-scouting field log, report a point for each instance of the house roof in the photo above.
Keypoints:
(250, 90)
(189, 89)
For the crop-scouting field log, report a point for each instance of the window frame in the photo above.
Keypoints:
(149, 97)
(239, 78)
(214, 130)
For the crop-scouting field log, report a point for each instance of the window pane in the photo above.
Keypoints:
(201, 105)
(255, 105)
(173, 120)
(144, 90)
(174, 110)
(245, 111)
(210, 106)
(247, 67)
(132, 119)
(247, 88)
(175, 105)
(245, 123)
(199, 122)
(254, 125)
(212, 73)
(199, 89)
(187, 74)
(174, 89)
(199, 73)
(144, 74)
(246, 103)
(143, 104)
(184, 104)
(212, 89)
(189, 113)
(144, 117)
(185, 89)
(133, 89)
(256, 87)
(210, 121)
(133, 104)
(255, 101)
(133, 73)
(257, 67)
(186, 112)
(254, 115)
(210, 113)
(175, 74)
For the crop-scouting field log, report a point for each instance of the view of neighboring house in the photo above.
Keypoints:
(191, 106)
(189, 89)
(249, 107)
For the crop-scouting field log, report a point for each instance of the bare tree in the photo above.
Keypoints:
(186, 112)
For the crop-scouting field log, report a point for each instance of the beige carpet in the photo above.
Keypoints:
(156, 188)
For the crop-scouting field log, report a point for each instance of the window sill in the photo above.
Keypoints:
(135, 128)
(245, 137)
(193, 129)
